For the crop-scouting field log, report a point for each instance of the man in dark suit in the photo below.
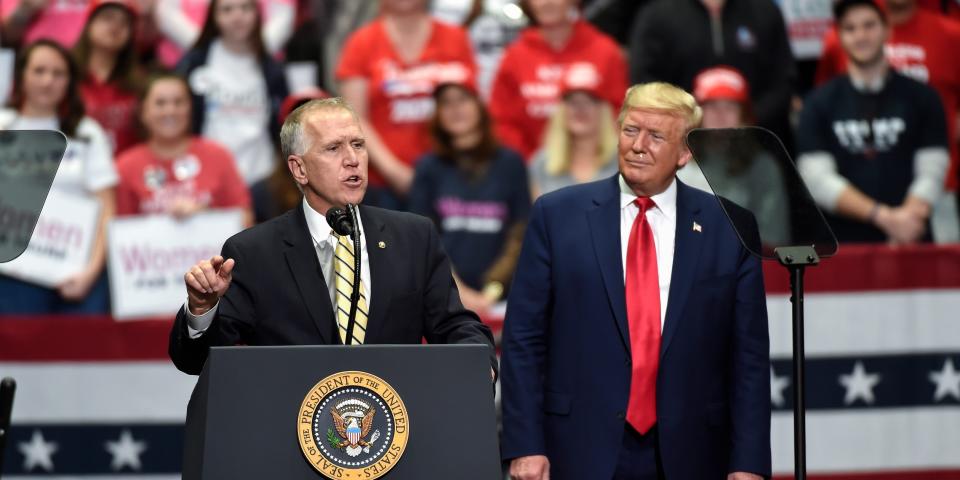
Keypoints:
(635, 344)
(290, 278)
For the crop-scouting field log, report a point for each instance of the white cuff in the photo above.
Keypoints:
(929, 171)
(819, 172)
(198, 324)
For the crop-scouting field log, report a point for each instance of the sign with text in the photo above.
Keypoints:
(148, 256)
(61, 241)
(807, 22)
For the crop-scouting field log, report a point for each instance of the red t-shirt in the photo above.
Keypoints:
(114, 109)
(60, 20)
(400, 95)
(923, 48)
(206, 174)
(527, 86)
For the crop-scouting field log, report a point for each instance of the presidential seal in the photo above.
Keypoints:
(352, 425)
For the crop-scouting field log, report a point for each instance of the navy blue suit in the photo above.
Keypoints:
(566, 352)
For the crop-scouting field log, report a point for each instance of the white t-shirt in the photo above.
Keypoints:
(237, 109)
(87, 164)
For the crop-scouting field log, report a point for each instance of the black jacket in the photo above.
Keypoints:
(273, 74)
(672, 41)
(278, 295)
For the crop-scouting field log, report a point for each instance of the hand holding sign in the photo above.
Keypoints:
(206, 282)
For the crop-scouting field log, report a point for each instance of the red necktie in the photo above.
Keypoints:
(643, 317)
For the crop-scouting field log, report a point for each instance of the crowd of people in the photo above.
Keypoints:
(174, 107)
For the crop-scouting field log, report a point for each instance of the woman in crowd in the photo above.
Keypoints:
(476, 192)
(46, 97)
(750, 177)
(526, 88)
(580, 143)
(175, 172)
(179, 21)
(387, 72)
(107, 56)
(237, 88)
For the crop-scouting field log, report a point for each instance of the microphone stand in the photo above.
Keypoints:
(355, 294)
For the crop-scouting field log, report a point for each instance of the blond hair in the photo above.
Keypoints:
(664, 98)
(556, 140)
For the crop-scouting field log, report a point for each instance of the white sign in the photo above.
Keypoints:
(807, 22)
(148, 256)
(61, 242)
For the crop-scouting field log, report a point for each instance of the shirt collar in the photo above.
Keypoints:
(666, 200)
(317, 224)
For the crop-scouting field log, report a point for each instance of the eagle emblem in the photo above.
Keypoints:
(353, 420)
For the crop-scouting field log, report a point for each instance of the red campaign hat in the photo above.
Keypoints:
(581, 77)
(129, 5)
(294, 100)
(721, 83)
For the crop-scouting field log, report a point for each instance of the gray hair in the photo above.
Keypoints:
(292, 138)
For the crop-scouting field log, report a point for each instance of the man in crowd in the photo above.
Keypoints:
(290, 278)
(872, 143)
(635, 344)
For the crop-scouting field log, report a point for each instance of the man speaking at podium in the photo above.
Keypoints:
(635, 344)
(288, 281)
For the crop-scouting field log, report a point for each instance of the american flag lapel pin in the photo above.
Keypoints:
(697, 228)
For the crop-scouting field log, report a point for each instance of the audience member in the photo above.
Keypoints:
(46, 96)
(580, 142)
(477, 194)
(752, 179)
(387, 72)
(872, 143)
(527, 86)
(107, 57)
(180, 21)
(25, 21)
(237, 87)
(922, 45)
(175, 172)
(674, 40)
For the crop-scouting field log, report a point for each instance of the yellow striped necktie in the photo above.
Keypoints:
(344, 277)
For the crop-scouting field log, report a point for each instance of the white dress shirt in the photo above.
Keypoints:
(663, 223)
(325, 244)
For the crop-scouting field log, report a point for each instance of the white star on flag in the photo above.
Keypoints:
(37, 453)
(777, 386)
(859, 384)
(126, 451)
(947, 380)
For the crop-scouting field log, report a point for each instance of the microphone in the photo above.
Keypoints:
(340, 221)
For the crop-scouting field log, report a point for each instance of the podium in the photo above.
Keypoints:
(359, 412)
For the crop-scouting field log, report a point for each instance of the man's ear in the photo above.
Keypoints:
(297, 169)
(685, 157)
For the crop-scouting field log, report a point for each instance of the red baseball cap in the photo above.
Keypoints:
(581, 77)
(294, 100)
(721, 83)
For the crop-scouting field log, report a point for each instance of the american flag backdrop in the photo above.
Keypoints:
(99, 399)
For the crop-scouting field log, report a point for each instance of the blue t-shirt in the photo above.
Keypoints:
(473, 213)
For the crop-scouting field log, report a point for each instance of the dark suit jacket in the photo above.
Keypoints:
(278, 295)
(566, 352)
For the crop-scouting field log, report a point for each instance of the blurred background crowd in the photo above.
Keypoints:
(472, 108)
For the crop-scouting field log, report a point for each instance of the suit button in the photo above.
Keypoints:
(621, 415)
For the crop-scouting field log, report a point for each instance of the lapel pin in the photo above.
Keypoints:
(382, 244)
(697, 228)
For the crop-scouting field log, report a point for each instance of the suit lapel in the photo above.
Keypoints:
(604, 222)
(381, 265)
(686, 254)
(301, 256)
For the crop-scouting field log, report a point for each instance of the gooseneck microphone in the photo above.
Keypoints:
(7, 387)
(345, 222)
